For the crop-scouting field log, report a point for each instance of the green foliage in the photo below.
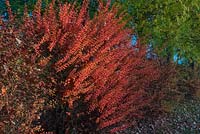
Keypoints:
(171, 24)
(17, 5)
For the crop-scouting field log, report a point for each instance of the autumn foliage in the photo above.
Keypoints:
(90, 58)
(21, 89)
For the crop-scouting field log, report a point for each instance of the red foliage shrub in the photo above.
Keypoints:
(21, 94)
(92, 58)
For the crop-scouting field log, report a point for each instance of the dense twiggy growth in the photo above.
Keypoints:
(22, 90)
(92, 58)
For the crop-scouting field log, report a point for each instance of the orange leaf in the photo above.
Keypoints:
(97, 120)
(3, 90)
